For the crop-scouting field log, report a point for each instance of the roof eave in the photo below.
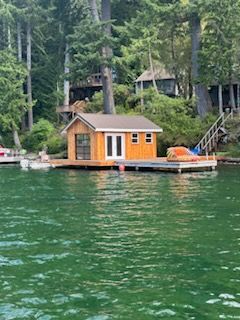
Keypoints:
(128, 130)
(64, 130)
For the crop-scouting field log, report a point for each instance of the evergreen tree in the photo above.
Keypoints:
(220, 49)
(12, 100)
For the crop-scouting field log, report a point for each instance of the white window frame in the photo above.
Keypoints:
(137, 137)
(114, 146)
(146, 138)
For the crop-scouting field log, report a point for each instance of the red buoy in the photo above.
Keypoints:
(121, 167)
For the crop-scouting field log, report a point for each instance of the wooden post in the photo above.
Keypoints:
(29, 76)
(238, 97)
(232, 97)
(152, 69)
(142, 100)
(66, 74)
(220, 99)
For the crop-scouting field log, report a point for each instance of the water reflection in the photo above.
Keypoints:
(109, 245)
(189, 184)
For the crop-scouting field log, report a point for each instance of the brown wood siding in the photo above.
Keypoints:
(96, 141)
(99, 146)
(77, 128)
(142, 150)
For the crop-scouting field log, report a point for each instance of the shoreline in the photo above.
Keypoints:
(228, 160)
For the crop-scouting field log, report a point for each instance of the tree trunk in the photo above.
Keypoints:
(190, 86)
(142, 98)
(238, 97)
(19, 50)
(220, 98)
(232, 97)
(4, 35)
(29, 78)
(19, 41)
(106, 71)
(94, 10)
(152, 69)
(9, 37)
(16, 139)
(201, 92)
(66, 73)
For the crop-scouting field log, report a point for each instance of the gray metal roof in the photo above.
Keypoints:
(116, 123)
(160, 73)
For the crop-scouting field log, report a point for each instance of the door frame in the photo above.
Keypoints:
(114, 146)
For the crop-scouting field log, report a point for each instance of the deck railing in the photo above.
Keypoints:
(211, 138)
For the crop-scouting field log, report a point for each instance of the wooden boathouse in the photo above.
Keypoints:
(107, 141)
(101, 137)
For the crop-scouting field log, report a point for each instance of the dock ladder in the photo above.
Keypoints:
(211, 138)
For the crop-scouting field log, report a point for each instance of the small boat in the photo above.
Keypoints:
(35, 164)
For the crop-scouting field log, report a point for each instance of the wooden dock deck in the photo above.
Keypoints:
(158, 164)
(65, 163)
(161, 164)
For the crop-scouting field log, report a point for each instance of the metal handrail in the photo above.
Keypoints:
(216, 131)
(213, 131)
(209, 131)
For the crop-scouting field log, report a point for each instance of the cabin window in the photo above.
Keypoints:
(135, 138)
(149, 138)
(119, 146)
(83, 147)
(109, 146)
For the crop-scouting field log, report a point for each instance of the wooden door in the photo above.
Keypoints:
(114, 146)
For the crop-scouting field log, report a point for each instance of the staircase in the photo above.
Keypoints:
(211, 138)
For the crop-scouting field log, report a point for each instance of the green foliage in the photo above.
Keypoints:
(175, 117)
(232, 150)
(122, 94)
(55, 143)
(87, 41)
(6, 139)
(12, 100)
(220, 42)
(40, 133)
(96, 103)
(43, 134)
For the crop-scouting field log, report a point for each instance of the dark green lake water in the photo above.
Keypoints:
(103, 245)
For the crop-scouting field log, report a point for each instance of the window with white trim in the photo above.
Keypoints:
(135, 138)
(149, 138)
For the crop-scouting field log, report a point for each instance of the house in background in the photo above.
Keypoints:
(166, 82)
(79, 94)
(103, 137)
(213, 92)
(86, 88)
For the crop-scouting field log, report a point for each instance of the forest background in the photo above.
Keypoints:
(47, 45)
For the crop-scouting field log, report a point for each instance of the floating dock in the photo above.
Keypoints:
(158, 164)
(64, 163)
(9, 160)
(164, 165)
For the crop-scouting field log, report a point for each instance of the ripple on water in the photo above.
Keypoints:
(99, 317)
(4, 261)
(11, 311)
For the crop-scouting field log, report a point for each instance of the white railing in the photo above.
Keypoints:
(211, 138)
